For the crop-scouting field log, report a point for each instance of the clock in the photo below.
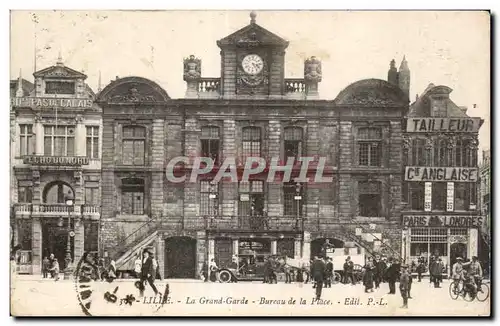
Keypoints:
(252, 64)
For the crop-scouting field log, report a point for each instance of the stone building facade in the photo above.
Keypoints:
(441, 215)
(485, 193)
(55, 130)
(252, 110)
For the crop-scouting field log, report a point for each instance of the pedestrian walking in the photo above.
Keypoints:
(436, 271)
(204, 271)
(318, 273)
(213, 270)
(420, 268)
(45, 267)
(51, 263)
(147, 273)
(288, 273)
(346, 270)
(328, 272)
(431, 277)
(404, 285)
(378, 271)
(392, 275)
(368, 276)
(138, 266)
(54, 270)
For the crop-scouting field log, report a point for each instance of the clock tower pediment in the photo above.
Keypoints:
(252, 35)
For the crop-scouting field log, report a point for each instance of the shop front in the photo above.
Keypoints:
(446, 237)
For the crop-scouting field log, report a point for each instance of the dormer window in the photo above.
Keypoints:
(60, 87)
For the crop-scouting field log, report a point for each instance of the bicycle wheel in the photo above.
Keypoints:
(483, 293)
(454, 290)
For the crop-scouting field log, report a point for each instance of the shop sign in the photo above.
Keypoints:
(43, 102)
(56, 160)
(428, 196)
(450, 196)
(450, 221)
(440, 174)
(443, 124)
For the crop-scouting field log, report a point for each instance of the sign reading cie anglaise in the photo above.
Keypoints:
(444, 174)
(443, 124)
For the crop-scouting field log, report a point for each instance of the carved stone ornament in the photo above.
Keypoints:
(473, 143)
(406, 143)
(249, 41)
(79, 118)
(38, 117)
(452, 142)
(78, 176)
(192, 68)
(370, 97)
(312, 69)
(132, 96)
(428, 143)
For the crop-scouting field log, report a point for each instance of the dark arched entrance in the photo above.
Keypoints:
(180, 257)
(317, 244)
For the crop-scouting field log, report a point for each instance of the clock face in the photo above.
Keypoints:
(252, 64)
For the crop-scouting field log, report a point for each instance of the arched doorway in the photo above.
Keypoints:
(56, 192)
(180, 257)
(317, 245)
(457, 250)
(55, 231)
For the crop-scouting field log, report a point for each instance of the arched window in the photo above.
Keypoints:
(251, 142)
(210, 142)
(56, 192)
(293, 142)
(134, 142)
(133, 196)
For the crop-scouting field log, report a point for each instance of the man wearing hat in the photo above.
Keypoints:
(457, 272)
(318, 273)
(476, 271)
(404, 285)
(148, 272)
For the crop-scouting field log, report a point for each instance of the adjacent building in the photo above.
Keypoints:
(485, 191)
(251, 110)
(55, 130)
(441, 215)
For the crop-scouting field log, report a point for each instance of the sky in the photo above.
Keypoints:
(449, 48)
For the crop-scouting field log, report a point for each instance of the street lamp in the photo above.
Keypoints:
(67, 259)
(298, 198)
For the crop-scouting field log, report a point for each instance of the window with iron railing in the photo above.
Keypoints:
(251, 201)
(293, 199)
(209, 198)
(92, 196)
(24, 193)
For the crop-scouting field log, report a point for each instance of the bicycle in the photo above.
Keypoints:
(465, 290)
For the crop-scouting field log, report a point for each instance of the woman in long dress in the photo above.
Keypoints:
(368, 276)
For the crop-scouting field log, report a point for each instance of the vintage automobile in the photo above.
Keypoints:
(339, 256)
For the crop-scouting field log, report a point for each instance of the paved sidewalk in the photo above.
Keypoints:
(39, 278)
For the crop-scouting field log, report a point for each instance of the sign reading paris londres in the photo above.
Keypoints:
(252, 166)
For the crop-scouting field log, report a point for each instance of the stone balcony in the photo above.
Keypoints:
(295, 89)
(22, 210)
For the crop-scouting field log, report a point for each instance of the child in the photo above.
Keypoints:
(404, 284)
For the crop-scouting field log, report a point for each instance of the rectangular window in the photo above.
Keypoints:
(91, 233)
(418, 152)
(439, 195)
(59, 87)
(293, 199)
(134, 141)
(251, 201)
(210, 143)
(417, 195)
(24, 194)
(441, 153)
(92, 141)
(465, 196)
(92, 196)
(26, 140)
(293, 142)
(251, 142)
(209, 198)
(369, 146)
(133, 196)
(59, 140)
(369, 199)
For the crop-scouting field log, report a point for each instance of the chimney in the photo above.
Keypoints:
(19, 89)
(392, 74)
(463, 109)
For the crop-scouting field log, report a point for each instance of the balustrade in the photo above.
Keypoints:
(206, 85)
